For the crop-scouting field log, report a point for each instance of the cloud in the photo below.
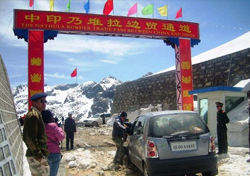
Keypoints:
(108, 61)
(62, 76)
(56, 75)
(80, 44)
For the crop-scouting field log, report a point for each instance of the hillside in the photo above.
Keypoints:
(83, 100)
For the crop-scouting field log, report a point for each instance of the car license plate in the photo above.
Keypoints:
(183, 146)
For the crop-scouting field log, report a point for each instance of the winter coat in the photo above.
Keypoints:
(118, 128)
(222, 119)
(56, 134)
(70, 125)
(34, 134)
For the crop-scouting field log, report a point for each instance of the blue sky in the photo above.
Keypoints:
(127, 59)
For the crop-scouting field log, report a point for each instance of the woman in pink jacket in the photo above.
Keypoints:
(54, 134)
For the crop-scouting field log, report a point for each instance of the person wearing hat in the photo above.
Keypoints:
(34, 137)
(117, 136)
(222, 120)
(54, 134)
(70, 129)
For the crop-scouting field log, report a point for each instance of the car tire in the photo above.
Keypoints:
(208, 174)
(146, 171)
(94, 124)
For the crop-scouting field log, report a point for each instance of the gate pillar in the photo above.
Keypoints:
(184, 79)
(35, 63)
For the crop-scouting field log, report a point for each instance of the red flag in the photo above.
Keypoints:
(31, 3)
(179, 13)
(108, 7)
(74, 73)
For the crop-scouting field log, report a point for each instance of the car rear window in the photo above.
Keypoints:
(177, 124)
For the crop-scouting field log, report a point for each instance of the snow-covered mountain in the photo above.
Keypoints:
(83, 100)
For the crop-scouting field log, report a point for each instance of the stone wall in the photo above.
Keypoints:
(11, 145)
(160, 89)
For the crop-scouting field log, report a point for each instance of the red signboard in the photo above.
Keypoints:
(186, 74)
(104, 24)
(35, 63)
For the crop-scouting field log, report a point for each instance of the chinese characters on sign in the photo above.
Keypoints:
(25, 19)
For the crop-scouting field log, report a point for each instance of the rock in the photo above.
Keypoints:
(84, 166)
(72, 164)
(101, 173)
(70, 158)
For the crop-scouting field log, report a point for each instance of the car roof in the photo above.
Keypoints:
(156, 113)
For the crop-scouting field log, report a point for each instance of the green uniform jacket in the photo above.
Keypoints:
(34, 134)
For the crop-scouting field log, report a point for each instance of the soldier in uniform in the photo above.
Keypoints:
(222, 120)
(35, 138)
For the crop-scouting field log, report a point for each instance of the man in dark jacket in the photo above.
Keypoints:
(117, 137)
(222, 120)
(70, 129)
(35, 138)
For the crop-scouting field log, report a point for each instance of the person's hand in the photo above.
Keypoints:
(39, 159)
(127, 130)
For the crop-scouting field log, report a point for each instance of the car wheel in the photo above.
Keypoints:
(208, 174)
(94, 124)
(145, 171)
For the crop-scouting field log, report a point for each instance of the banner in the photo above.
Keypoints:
(83, 23)
(35, 63)
(186, 74)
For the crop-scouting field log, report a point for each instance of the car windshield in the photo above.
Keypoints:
(176, 125)
(96, 115)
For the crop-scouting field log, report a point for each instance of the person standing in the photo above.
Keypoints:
(35, 138)
(70, 129)
(54, 134)
(117, 137)
(248, 110)
(222, 120)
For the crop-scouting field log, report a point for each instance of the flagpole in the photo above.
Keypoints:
(76, 75)
(167, 12)
(153, 11)
(181, 14)
(136, 10)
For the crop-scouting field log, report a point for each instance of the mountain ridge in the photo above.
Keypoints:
(83, 100)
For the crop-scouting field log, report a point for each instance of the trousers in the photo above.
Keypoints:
(70, 139)
(54, 162)
(38, 168)
(120, 150)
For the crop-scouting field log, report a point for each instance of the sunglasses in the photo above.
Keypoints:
(43, 101)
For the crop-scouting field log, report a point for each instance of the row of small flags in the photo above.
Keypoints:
(109, 7)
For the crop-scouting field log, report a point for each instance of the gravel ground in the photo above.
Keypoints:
(94, 151)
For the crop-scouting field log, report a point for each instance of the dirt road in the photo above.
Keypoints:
(94, 152)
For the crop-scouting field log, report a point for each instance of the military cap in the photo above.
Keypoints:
(219, 104)
(37, 96)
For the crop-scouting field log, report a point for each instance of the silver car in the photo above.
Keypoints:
(172, 143)
(97, 119)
